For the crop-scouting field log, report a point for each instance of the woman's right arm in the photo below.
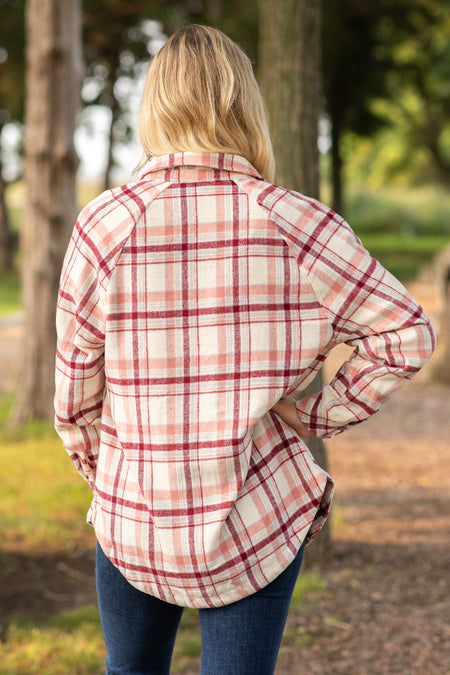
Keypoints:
(79, 375)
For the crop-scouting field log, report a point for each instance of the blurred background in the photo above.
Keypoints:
(358, 94)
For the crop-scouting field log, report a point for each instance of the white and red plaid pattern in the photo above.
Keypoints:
(190, 302)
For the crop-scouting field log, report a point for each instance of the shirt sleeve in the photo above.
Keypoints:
(80, 354)
(371, 311)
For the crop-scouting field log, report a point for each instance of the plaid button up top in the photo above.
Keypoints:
(190, 302)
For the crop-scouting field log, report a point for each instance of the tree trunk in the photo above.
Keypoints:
(53, 82)
(289, 58)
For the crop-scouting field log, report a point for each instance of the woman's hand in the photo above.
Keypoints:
(287, 410)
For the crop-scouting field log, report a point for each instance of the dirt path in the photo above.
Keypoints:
(386, 608)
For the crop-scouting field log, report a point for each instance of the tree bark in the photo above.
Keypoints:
(53, 81)
(289, 60)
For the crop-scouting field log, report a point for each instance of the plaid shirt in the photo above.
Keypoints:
(190, 302)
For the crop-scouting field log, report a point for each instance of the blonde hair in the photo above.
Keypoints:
(201, 95)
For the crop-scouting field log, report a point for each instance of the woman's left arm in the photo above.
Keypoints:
(371, 311)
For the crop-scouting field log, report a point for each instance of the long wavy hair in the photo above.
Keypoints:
(201, 95)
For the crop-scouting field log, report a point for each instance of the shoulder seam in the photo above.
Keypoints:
(126, 197)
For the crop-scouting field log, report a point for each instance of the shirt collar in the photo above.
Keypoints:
(202, 166)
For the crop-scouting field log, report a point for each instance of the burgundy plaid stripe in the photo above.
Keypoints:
(190, 302)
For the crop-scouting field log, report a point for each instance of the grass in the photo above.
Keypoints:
(309, 584)
(10, 300)
(412, 212)
(403, 228)
(43, 503)
(309, 588)
(72, 644)
(42, 497)
(69, 644)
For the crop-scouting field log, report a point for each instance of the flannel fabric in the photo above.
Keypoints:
(190, 302)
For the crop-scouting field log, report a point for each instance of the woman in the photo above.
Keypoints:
(193, 304)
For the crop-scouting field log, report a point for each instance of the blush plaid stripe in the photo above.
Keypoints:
(190, 302)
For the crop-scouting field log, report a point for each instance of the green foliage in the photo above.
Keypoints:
(386, 79)
(414, 213)
(416, 107)
(12, 61)
(297, 636)
(403, 229)
(42, 508)
(10, 301)
(340, 521)
(6, 403)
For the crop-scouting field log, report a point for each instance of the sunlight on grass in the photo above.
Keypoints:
(86, 192)
(72, 644)
(339, 519)
(69, 644)
(10, 298)
(43, 501)
(307, 583)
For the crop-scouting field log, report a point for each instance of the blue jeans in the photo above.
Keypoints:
(238, 639)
